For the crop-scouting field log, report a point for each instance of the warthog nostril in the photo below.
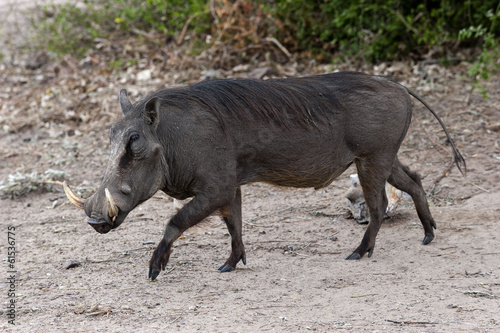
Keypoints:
(100, 225)
(125, 189)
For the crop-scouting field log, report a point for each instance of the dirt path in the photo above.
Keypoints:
(295, 280)
(296, 240)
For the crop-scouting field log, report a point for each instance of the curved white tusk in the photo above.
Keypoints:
(112, 209)
(73, 198)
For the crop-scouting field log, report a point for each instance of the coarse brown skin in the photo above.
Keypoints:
(206, 140)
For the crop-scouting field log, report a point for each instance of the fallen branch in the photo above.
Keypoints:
(476, 293)
(99, 313)
(144, 34)
(366, 295)
(329, 252)
(279, 45)
(406, 322)
(479, 187)
(445, 173)
(186, 25)
(226, 24)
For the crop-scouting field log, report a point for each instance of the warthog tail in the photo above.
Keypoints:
(459, 159)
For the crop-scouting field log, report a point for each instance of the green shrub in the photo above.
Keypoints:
(168, 17)
(66, 28)
(376, 30)
(487, 63)
(359, 30)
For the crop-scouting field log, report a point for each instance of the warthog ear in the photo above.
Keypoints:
(124, 101)
(152, 112)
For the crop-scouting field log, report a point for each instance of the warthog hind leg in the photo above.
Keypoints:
(404, 179)
(372, 177)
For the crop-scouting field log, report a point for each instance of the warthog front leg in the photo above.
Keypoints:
(192, 213)
(232, 216)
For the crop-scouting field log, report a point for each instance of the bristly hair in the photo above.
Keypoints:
(288, 103)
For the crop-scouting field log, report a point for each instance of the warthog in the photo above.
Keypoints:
(206, 140)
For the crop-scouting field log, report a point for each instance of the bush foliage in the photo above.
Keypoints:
(364, 30)
(379, 30)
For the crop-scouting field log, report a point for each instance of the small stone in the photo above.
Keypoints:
(144, 75)
(211, 74)
(260, 72)
(71, 263)
(241, 68)
(494, 127)
(79, 309)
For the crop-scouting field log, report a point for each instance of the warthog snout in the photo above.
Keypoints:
(100, 225)
(101, 222)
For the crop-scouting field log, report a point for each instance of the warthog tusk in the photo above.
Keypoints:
(112, 209)
(73, 198)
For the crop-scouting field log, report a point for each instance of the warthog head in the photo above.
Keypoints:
(135, 170)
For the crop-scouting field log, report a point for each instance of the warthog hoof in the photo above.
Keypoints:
(228, 267)
(153, 274)
(427, 239)
(353, 256)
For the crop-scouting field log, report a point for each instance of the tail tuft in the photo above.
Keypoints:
(460, 161)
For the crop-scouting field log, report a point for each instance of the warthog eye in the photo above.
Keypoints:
(134, 137)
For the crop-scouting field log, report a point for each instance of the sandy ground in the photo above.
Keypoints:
(296, 278)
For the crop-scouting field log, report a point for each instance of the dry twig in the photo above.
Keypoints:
(406, 322)
(279, 45)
